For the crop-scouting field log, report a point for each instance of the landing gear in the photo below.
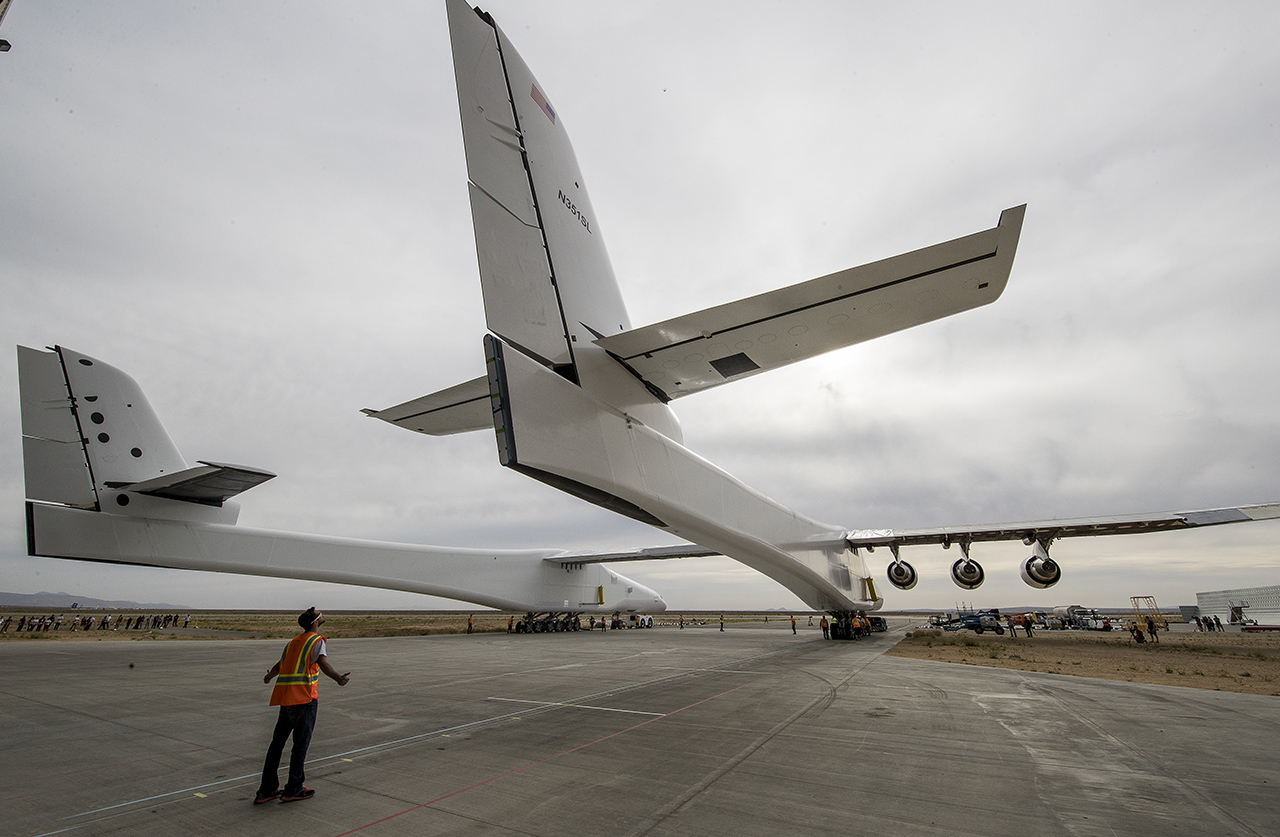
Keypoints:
(543, 623)
(849, 625)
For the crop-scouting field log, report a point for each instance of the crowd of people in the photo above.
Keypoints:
(1209, 623)
(86, 622)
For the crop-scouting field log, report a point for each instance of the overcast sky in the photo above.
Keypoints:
(259, 211)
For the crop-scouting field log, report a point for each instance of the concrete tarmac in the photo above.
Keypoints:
(642, 732)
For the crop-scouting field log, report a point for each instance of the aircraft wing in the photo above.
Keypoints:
(728, 342)
(458, 409)
(1028, 532)
(1050, 530)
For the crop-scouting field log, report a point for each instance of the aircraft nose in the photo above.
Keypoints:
(646, 600)
(656, 604)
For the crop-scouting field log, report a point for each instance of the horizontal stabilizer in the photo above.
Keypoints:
(1049, 530)
(651, 553)
(710, 347)
(458, 409)
(212, 483)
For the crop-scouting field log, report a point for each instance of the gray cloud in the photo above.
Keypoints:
(261, 213)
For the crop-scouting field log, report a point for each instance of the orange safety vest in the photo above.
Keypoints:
(296, 683)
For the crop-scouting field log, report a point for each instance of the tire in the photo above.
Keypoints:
(978, 629)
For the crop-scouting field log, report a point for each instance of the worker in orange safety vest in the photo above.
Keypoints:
(297, 672)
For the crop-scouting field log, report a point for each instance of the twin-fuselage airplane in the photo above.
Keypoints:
(577, 398)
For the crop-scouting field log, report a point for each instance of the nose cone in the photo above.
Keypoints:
(650, 601)
(644, 600)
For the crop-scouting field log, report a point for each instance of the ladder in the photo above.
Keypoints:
(1144, 606)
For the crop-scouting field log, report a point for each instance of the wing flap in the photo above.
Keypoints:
(707, 348)
(458, 409)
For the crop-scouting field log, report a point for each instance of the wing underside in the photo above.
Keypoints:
(1028, 532)
(458, 409)
(1050, 530)
(707, 348)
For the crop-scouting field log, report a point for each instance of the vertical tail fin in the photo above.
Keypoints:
(548, 284)
(90, 439)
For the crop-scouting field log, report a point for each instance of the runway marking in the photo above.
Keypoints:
(548, 759)
(713, 670)
(101, 767)
(256, 774)
(433, 733)
(578, 706)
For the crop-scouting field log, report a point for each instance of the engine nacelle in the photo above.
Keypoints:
(1040, 571)
(902, 575)
(967, 574)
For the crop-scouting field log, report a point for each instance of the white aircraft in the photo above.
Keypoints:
(4, 7)
(578, 399)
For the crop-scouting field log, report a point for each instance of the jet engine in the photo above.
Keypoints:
(902, 575)
(1040, 571)
(967, 573)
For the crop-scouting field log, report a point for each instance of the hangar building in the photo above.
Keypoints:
(1262, 604)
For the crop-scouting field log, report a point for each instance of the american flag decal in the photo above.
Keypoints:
(542, 103)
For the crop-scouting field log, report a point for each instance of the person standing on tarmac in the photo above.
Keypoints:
(296, 694)
(793, 626)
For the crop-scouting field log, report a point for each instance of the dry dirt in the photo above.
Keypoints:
(1228, 662)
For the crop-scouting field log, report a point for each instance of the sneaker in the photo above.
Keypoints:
(266, 797)
(304, 793)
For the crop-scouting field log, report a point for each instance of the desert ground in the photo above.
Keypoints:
(1229, 662)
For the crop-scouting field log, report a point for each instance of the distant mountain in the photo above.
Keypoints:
(63, 601)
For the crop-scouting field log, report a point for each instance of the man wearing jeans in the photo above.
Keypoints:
(296, 694)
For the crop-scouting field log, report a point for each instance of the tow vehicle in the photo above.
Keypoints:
(987, 620)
